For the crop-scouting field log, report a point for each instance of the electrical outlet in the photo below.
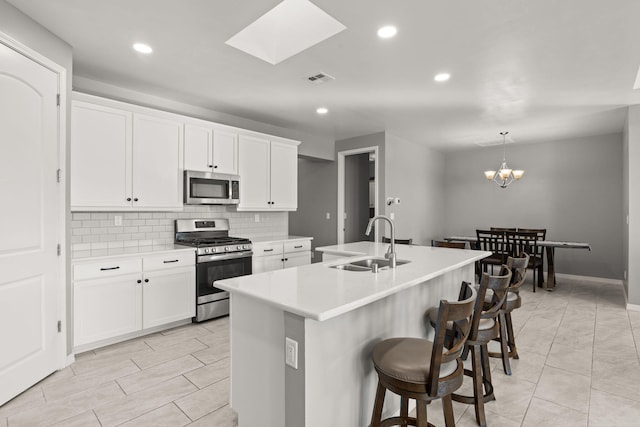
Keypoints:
(328, 215)
(625, 275)
(291, 352)
(117, 220)
(392, 215)
(256, 218)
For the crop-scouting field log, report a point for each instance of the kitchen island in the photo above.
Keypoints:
(334, 317)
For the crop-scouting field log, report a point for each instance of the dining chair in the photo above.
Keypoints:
(424, 370)
(385, 239)
(526, 241)
(448, 244)
(496, 243)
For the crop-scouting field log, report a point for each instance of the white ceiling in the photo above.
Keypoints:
(541, 69)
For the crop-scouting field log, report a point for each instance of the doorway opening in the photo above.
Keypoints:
(358, 181)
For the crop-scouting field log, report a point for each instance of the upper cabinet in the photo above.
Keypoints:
(127, 157)
(124, 160)
(101, 143)
(210, 149)
(268, 174)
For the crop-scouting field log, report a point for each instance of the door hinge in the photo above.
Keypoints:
(59, 325)
(58, 100)
(58, 175)
(59, 249)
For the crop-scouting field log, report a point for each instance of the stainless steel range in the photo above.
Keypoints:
(218, 256)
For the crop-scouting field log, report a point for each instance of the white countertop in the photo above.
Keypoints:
(318, 292)
(130, 251)
(273, 239)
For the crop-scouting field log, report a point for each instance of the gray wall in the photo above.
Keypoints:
(312, 145)
(317, 196)
(24, 30)
(573, 188)
(415, 176)
(632, 204)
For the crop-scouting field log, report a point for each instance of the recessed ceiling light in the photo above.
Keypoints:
(442, 77)
(322, 110)
(142, 48)
(387, 31)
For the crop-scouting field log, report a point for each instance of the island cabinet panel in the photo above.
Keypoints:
(207, 149)
(118, 298)
(268, 174)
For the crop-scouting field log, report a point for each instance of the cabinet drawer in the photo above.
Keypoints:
(107, 268)
(169, 260)
(299, 246)
(265, 249)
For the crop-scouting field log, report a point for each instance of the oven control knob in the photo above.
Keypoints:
(206, 250)
(213, 250)
(227, 248)
(246, 247)
(239, 247)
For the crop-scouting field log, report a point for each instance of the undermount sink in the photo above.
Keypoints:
(367, 264)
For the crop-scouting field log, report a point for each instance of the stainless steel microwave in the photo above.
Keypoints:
(207, 188)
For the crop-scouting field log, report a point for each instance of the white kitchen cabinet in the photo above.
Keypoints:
(208, 149)
(118, 298)
(268, 171)
(107, 299)
(122, 159)
(168, 289)
(157, 162)
(101, 142)
(279, 254)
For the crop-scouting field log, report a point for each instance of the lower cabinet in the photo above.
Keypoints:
(116, 297)
(279, 254)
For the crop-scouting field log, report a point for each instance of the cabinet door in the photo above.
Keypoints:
(297, 259)
(157, 162)
(168, 296)
(254, 173)
(197, 148)
(106, 308)
(225, 152)
(266, 263)
(100, 156)
(284, 176)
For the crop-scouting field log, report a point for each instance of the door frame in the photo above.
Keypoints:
(341, 183)
(63, 358)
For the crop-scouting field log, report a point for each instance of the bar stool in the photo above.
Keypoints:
(484, 328)
(447, 244)
(385, 239)
(416, 368)
(518, 267)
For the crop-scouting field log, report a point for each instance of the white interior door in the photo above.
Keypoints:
(29, 223)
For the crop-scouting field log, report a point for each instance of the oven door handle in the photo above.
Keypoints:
(222, 257)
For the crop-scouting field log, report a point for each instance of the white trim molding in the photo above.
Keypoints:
(341, 192)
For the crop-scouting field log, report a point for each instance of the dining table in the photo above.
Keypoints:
(549, 245)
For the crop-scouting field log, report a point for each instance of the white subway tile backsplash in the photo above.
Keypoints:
(95, 233)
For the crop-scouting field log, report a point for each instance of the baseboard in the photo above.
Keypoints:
(633, 307)
(588, 279)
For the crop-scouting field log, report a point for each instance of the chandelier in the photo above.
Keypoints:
(505, 175)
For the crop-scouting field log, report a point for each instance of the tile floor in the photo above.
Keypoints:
(579, 366)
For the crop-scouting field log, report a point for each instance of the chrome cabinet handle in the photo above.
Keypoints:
(109, 268)
(268, 250)
(173, 260)
(297, 247)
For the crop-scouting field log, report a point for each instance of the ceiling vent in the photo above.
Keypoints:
(320, 78)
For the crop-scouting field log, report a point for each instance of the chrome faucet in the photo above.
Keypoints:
(391, 252)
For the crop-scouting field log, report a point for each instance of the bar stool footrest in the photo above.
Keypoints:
(401, 421)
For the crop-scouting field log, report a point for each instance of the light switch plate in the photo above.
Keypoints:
(117, 220)
(291, 352)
